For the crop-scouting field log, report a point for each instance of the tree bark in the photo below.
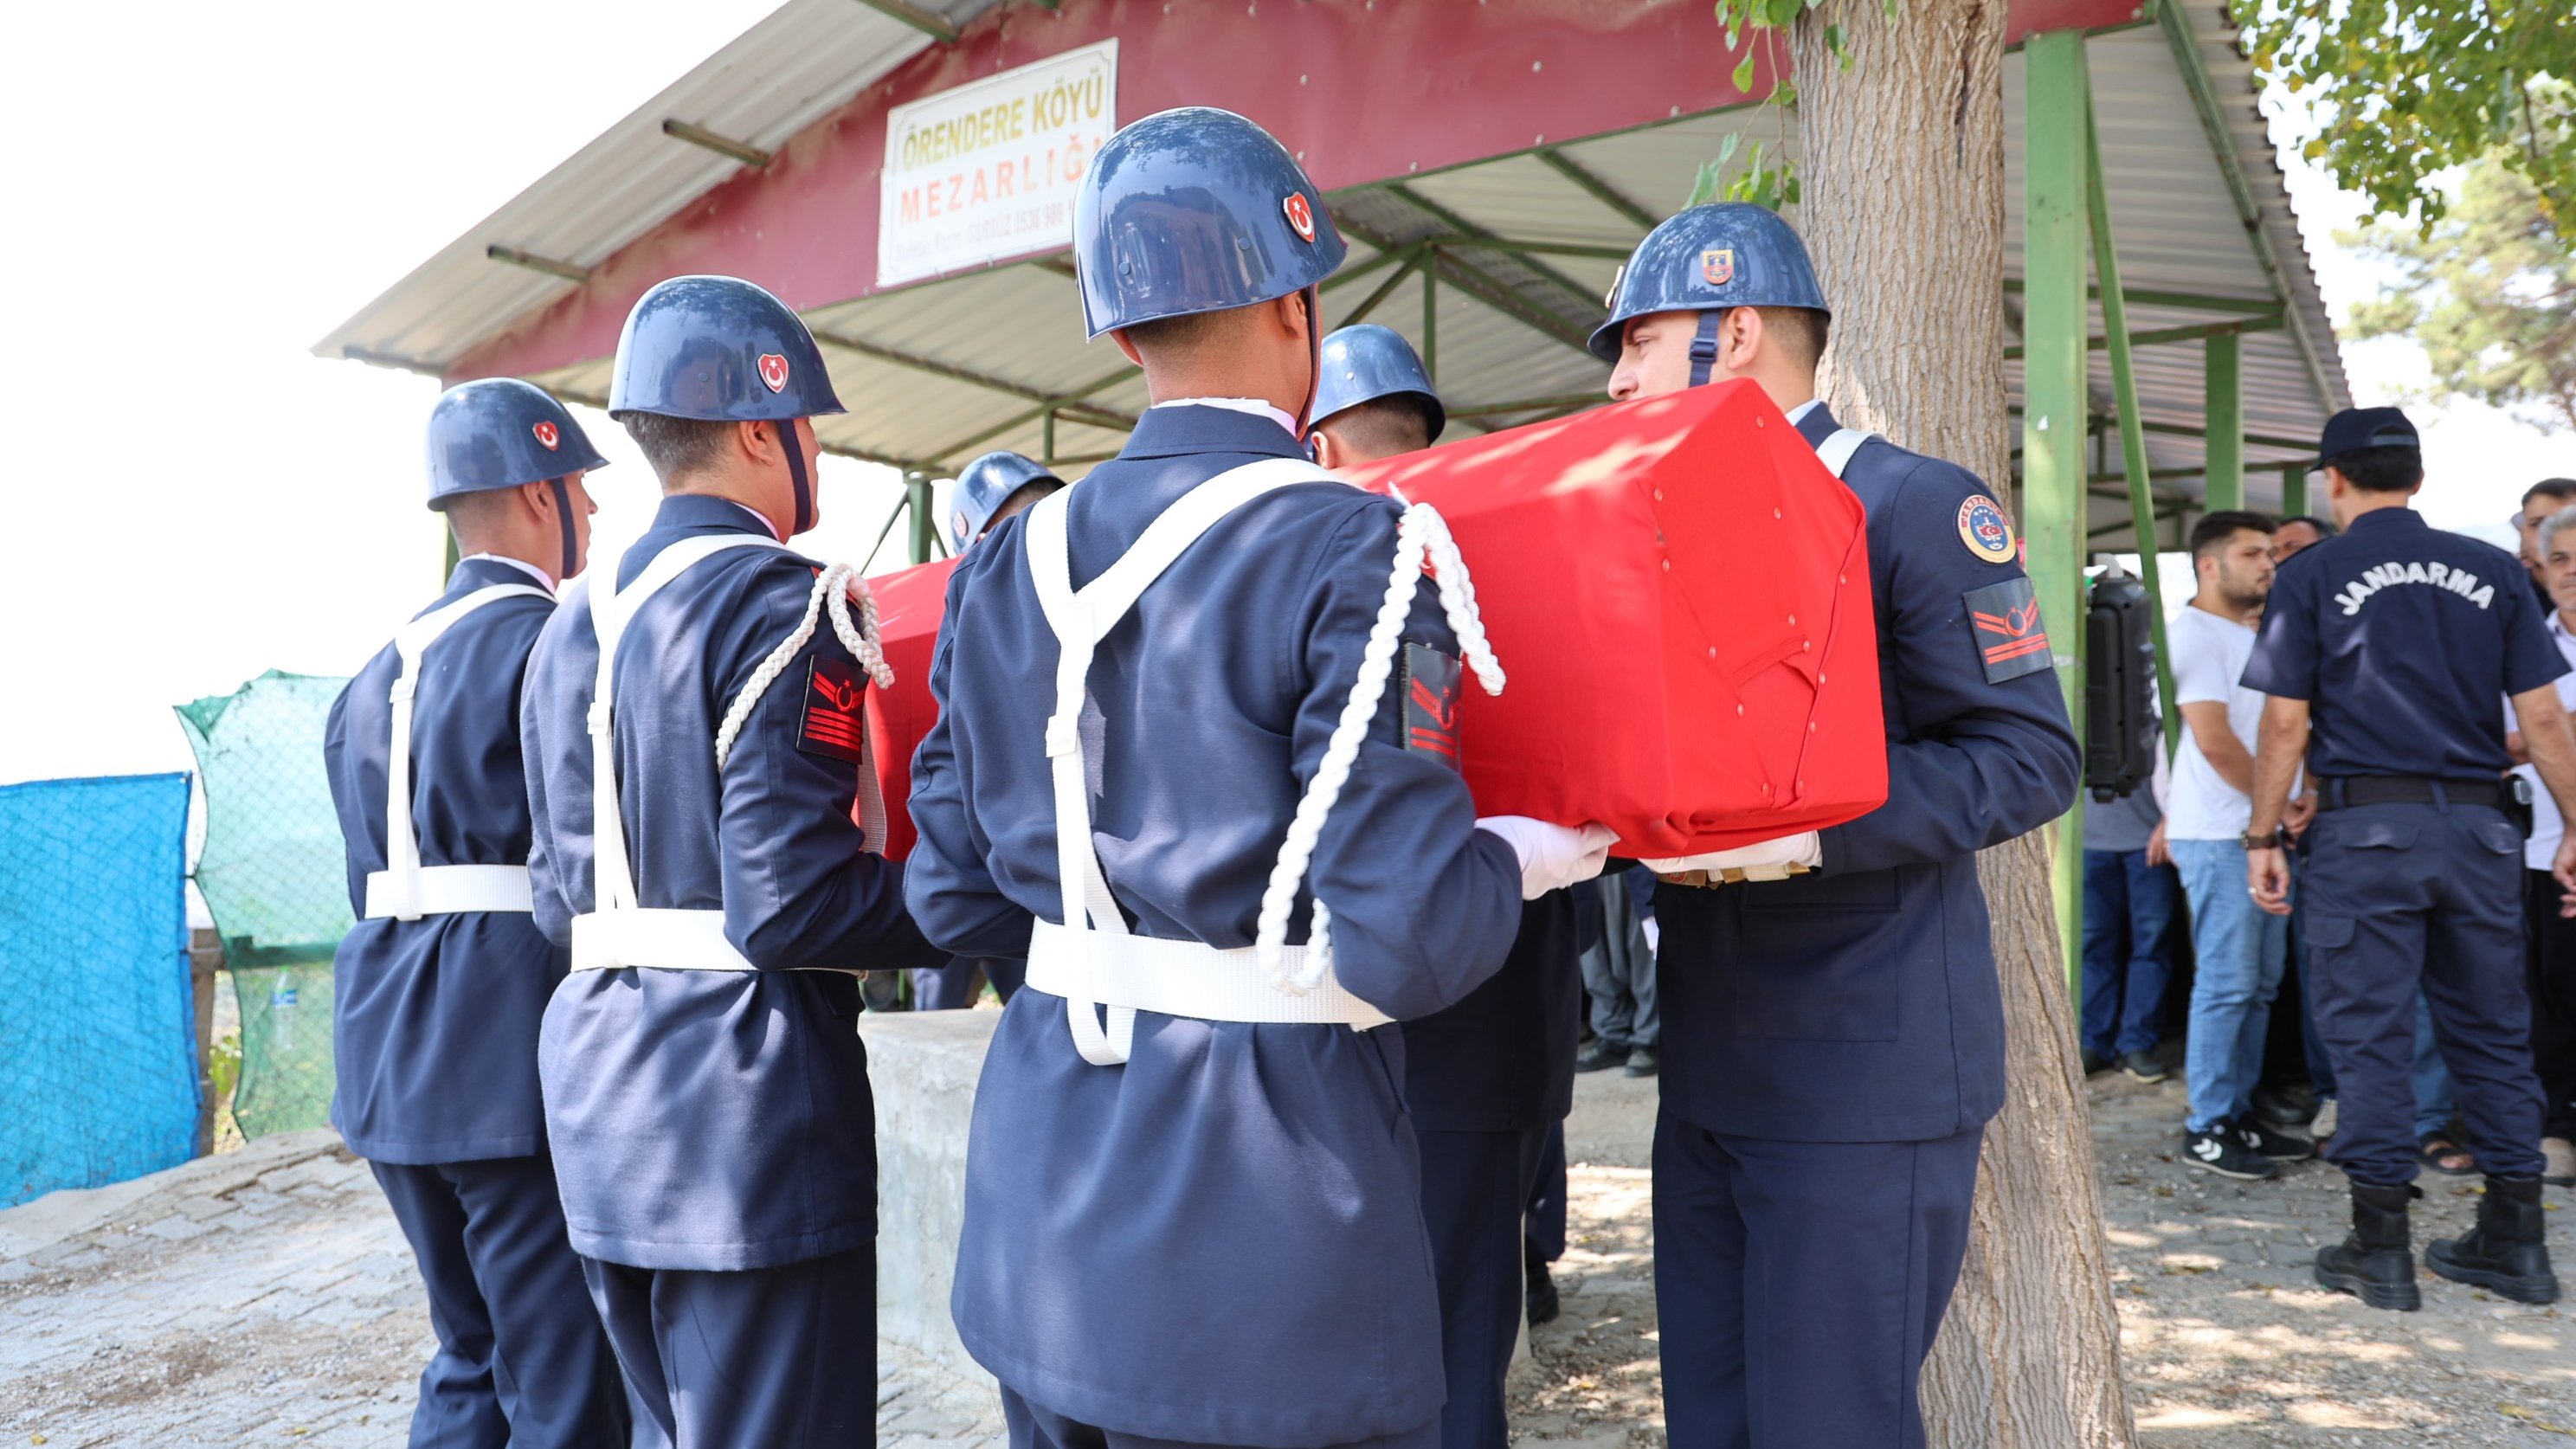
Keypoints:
(1902, 177)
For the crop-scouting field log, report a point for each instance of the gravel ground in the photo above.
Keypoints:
(264, 1295)
(2225, 1339)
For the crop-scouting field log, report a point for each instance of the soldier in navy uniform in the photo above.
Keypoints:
(999, 485)
(441, 985)
(2387, 651)
(1192, 1195)
(1832, 1019)
(1488, 1078)
(693, 784)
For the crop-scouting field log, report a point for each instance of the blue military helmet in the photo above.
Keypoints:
(1195, 210)
(720, 349)
(983, 486)
(1364, 362)
(499, 432)
(1707, 259)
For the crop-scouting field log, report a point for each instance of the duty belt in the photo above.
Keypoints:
(2346, 792)
(1731, 875)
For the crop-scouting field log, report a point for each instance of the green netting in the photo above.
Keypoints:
(274, 878)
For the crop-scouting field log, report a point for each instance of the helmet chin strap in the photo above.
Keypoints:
(796, 471)
(1314, 369)
(1703, 351)
(563, 516)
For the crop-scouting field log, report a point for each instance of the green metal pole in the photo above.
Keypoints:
(1047, 446)
(2294, 490)
(2133, 439)
(1431, 320)
(2056, 101)
(2223, 379)
(916, 498)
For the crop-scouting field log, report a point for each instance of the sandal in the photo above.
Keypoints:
(2440, 1154)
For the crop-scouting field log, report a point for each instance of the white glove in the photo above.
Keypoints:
(1552, 856)
(1654, 936)
(1762, 860)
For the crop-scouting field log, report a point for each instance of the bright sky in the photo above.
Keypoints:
(206, 190)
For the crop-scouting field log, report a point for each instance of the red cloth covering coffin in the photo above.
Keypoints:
(1679, 593)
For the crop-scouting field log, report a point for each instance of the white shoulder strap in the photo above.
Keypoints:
(402, 839)
(1080, 621)
(611, 610)
(1836, 452)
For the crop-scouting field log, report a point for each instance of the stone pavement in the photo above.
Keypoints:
(265, 1296)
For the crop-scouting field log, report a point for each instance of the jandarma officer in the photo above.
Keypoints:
(1192, 1207)
(1834, 1038)
(695, 749)
(2386, 651)
(1487, 1078)
(440, 987)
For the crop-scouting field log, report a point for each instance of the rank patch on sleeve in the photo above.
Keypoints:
(2011, 641)
(833, 723)
(1428, 684)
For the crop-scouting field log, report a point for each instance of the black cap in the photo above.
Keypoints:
(2354, 429)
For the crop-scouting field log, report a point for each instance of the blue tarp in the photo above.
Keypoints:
(98, 1069)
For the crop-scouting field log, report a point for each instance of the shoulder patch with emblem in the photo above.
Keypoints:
(2011, 641)
(1985, 530)
(1428, 686)
(833, 724)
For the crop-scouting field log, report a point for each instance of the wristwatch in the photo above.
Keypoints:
(2275, 840)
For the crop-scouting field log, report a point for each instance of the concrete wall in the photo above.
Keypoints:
(923, 1067)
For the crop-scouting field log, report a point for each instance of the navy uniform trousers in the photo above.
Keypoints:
(489, 1238)
(2402, 897)
(953, 987)
(705, 1351)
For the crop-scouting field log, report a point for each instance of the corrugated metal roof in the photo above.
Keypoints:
(775, 79)
(940, 371)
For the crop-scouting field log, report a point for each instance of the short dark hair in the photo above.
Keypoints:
(2324, 526)
(471, 516)
(2214, 530)
(2562, 489)
(1803, 331)
(676, 447)
(1178, 337)
(2380, 470)
(1384, 426)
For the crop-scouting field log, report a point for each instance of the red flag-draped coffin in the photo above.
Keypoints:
(1678, 592)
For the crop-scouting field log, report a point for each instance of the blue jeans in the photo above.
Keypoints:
(2242, 948)
(2131, 910)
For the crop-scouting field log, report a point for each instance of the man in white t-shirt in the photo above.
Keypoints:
(2552, 932)
(2241, 948)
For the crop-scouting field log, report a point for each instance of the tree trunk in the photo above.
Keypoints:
(1902, 172)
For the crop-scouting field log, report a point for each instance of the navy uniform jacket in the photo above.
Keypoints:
(2405, 641)
(1502, 1060)
(1860, 1003)
(710, 1119)
(434, 1021)
(1221, 1240)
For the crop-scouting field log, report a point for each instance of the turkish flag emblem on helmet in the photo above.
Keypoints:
(1301, 217)
(773, 371)
(547, 437)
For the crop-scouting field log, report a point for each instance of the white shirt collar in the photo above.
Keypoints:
(522, 565)
(767, 528)
(2566, 638)
(1252, 405)
(1799, 413)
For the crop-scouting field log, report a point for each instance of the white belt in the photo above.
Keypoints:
(659, 937)
(1182, 978)
(441, 890)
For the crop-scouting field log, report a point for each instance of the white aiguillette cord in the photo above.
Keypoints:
(1421, 537)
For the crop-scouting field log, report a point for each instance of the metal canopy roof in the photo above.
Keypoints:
(1516, 252)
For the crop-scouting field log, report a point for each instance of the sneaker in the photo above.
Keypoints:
(1642, 1063)
(2221, 1150)
(2264, 1142)
(1601, 1055)
(2096, 1063)
(2324, 1125)
(2144, 1067)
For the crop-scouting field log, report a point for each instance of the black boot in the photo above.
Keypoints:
(2507, 1251)
(2374, 1263)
